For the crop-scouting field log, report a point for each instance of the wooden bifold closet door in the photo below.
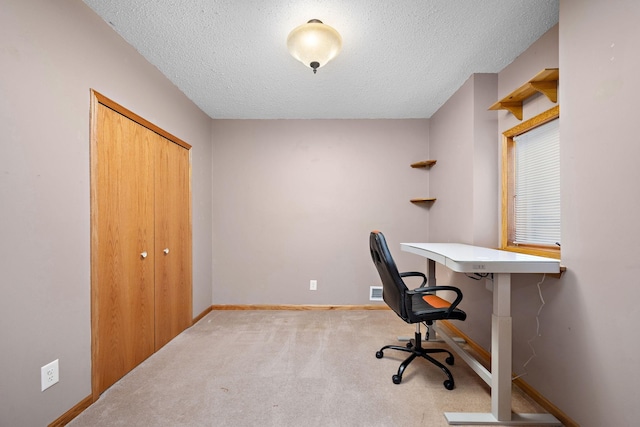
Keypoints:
(172, 223)
(141, 277)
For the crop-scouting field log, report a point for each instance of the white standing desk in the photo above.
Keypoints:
(473, 259)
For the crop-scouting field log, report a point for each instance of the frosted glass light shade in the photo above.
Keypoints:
(314, 44)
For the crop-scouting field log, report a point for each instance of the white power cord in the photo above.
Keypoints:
(530, 341)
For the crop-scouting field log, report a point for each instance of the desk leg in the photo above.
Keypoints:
(501, 348)
(431, 281)
(501, 344)
(431, 272)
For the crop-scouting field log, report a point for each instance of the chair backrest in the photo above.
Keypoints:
(393, 287)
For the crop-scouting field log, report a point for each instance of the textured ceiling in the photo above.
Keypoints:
(400, 59)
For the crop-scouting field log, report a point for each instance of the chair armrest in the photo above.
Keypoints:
(429, 289)
(416, 274)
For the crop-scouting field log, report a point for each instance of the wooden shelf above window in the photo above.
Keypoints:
(545, 82)
(423, 200)
(423, 164)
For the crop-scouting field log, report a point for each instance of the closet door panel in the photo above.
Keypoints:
(173, 291)
(123, 299)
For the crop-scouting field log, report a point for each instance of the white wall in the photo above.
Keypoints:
(590, 330)
(52, 53)
(296, 200)
(464, 139)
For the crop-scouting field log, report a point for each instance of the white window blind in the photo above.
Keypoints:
(537, 185)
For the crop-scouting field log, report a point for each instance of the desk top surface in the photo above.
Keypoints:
(476, 259)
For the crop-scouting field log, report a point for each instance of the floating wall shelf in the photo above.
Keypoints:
(423, 164)
(545, 82)
(423, 200)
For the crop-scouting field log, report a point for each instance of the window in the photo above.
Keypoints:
(531, 186)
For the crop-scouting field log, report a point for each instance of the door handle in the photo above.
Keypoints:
(144, 254)
(166, 251)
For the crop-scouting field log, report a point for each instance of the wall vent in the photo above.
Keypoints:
(375, 293)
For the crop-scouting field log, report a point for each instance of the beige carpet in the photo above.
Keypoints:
(289, 368)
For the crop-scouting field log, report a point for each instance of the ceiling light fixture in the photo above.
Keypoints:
(314, 44)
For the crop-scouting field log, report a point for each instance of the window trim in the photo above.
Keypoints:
(508, 185)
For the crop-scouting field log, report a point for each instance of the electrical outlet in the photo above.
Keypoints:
(49, 374)
(313, 285)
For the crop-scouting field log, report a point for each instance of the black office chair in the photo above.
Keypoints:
(419, 305)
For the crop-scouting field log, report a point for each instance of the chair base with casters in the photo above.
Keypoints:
(415, 348)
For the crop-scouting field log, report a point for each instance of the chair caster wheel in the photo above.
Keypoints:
(409, 344)
(397, 379)
(449, 360)
(379, 354)
(448, 384)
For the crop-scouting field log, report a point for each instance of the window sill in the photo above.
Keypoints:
(549, 253)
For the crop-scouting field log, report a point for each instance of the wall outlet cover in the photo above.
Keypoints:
(49, 374)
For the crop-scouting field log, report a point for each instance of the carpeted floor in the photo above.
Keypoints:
(289, 368)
